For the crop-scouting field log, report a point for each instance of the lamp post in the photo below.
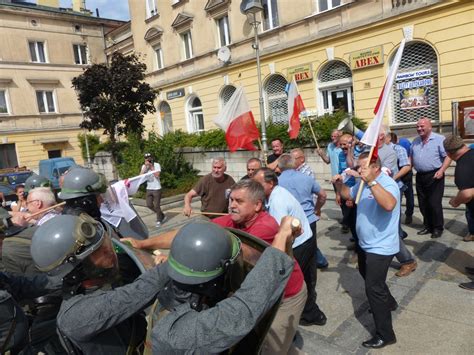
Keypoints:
(250, 9)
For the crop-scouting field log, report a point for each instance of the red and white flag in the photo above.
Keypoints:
(371, 135)
(237, 121)
(295, 107)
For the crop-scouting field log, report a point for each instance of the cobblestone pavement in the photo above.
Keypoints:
(435, 316)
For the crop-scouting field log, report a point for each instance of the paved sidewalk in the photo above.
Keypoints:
(435, 316)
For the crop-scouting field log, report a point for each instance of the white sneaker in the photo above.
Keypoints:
(158, 224)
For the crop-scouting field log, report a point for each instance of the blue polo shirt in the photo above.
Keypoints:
(376, 228)
(333, 154)
(281, 203)
(343, 166)
(429, 156)
(302, 187)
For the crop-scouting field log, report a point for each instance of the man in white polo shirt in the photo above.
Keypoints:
(153, 187)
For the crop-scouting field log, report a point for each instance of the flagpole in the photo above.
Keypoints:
(362, 182)
(264, 153)
(312, 131)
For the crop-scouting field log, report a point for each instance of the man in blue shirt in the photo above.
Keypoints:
(430, 162)
(333, 149)
(378, 213)
(280, 202)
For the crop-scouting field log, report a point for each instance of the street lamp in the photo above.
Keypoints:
(250, 8)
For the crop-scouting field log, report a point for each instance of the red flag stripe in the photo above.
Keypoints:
(241, 132)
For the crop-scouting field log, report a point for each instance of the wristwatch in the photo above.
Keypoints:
(372, 184)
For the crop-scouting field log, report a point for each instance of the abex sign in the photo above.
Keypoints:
(367, 58)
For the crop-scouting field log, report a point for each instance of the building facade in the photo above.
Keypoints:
(42, 47)
(338, 50)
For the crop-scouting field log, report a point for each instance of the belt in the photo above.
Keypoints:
(428, 172)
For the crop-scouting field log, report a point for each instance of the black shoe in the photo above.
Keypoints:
(344, 229)
(408, 220)
(377, 343)
(467, 286)
(469, 270)
(317, 318)
(424, 231)
(436, 233)
(404, 235)
(322, 266)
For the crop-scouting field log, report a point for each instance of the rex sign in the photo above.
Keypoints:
(367, 58)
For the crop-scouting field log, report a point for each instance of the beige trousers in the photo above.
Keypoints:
(279, 339)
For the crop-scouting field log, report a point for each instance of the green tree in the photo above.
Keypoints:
(114, 97)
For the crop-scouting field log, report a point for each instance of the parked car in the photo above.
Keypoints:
(7, 195)
(14, 178)
(52, 169)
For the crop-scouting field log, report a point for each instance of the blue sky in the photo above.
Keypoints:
(113, 9)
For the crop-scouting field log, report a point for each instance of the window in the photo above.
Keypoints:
(46, 102)
(415, 90)
(224, 31)
(3, 102)
(335, 88)
(56, 153)
(270, 14)
(151, 9)
(324, 5)
(276, 99)
(226, 94)
(80, 54)
(159, 57)
(37, 52)
(8, 157)
(187, 45)
(166, 118)
(196, 116)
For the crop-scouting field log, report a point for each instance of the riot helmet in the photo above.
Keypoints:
(62, 243)
(80, 182)
(34, 181)
(201, 252)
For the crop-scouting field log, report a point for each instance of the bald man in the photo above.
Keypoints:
(430, 162)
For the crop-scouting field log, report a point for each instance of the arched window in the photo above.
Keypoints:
(166, 119)
(226, 94)
(276, 99)
(335, 88)
(195, 114)
(415, 91)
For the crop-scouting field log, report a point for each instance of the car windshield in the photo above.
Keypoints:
(6, 190)
(18, 179)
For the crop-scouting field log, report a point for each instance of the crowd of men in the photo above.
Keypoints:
(88, 292)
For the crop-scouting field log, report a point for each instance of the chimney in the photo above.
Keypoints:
(50, 3)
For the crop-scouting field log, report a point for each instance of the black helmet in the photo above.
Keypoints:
(34, 181)
(63, 242)
(200, 252)
(80, 181)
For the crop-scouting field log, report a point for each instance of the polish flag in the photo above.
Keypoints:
(237, 121)
(371, 135)
(295, 107)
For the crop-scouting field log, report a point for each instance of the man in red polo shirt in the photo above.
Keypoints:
(247, 199)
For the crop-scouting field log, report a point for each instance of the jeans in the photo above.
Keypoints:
(320, 258)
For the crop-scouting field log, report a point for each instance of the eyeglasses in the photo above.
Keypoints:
(28, 202)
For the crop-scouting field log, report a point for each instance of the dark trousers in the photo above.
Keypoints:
(153, 201)
(409, 196)
(304, 255)
(350, 217)
(470, 219)
(373, 268)
(430, 194)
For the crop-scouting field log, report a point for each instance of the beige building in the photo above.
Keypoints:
(339, 50)
(42, 47)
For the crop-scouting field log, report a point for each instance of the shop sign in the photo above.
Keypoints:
(414, 74)
(468, 113)
(170, 95)
(300, 73)
(367, 58)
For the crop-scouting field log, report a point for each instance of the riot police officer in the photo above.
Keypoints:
(80, 250)
(193, 287)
